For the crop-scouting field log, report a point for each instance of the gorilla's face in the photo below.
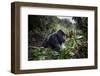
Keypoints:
(64, 38)
(61, 36)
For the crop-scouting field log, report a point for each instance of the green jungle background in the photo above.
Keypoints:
(75, 46)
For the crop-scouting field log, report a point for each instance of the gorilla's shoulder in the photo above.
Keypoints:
(53, 35)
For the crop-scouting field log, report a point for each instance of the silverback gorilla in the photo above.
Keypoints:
(54, 40)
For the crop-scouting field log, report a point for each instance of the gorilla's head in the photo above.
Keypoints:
(61, 36)
(61, 32)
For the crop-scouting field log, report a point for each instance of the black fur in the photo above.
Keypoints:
(54, 40)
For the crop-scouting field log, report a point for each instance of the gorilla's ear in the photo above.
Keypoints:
(61, 32)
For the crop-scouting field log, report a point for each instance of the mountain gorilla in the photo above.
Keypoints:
(54, 40)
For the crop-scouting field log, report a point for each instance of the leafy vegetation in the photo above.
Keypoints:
(75, 45)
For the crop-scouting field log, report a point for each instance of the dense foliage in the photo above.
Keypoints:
(75, 46)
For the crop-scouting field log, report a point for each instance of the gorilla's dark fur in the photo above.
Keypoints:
(54, 40)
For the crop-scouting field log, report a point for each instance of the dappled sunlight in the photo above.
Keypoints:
(63, 46)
